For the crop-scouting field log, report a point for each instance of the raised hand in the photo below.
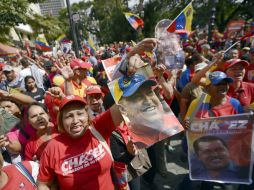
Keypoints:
(4, 142)
(66, 71)
(56, 92)
(132, 148)
(146, 45)
(159, 70)
(135, 62)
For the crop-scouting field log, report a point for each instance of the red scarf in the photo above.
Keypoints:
(124, 132)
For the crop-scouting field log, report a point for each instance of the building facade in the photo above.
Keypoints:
(52, 7)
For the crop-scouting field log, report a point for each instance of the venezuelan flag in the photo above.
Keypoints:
(250, 33)
(91, 45)
(63, 39)
(42, 44)
(182, 23)
(134, 20)
(88, 46)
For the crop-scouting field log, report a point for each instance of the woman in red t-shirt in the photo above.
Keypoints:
(38, 118)
(76, 158)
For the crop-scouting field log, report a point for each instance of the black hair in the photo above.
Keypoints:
(24, 61)
(207, 139)
(20, 106)
(196, 57)
(26, 80)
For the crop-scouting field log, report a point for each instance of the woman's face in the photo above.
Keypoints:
(30, 84)
(10, 107)
(75, 119)
(37, 117)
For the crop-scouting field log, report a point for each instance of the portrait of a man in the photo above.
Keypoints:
(214, 162)
(143, 111)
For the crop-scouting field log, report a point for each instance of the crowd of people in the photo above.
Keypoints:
(67, 117)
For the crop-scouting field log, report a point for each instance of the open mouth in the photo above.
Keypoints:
(95, 104)
(76, 128)
(216, 160)
(238, 75)
(222, 91)
(40, 123)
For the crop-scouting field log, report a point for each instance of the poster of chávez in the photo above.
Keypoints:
(220, 149)
(144, 110)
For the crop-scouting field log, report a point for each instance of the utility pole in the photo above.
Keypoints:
(212, 20)
(72, 28)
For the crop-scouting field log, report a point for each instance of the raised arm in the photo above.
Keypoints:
(146, 45)
(17, 97)
(197, 78)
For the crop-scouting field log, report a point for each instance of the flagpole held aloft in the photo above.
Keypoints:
(231, 46)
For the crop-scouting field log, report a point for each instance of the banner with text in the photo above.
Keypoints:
(220, 149)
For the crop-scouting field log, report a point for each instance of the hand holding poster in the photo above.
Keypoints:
(220, 149)
(145, 112)
(7, 121)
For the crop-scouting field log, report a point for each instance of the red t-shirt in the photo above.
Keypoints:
(16, 180)
(245, 94)
(79, 163)
(37, 145)
(217, 111)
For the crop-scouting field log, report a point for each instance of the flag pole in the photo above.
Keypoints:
(231, 46)
(179, 14)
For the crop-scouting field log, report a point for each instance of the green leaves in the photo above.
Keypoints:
(12, 12)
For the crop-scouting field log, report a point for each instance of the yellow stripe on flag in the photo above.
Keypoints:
(188, 12)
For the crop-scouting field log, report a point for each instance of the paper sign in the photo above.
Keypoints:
(220, 149)
(7, 121)
(109, 66)
(146, 113)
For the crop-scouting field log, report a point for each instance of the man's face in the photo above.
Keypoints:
(236, 72)
(80, 72)
(10, 75)
(143, 108)
(219, 90)
(214, 155)
(94, 101)
(234, 54)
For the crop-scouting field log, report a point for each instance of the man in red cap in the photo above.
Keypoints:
(79, 82)
(243, 91)
(94, 97)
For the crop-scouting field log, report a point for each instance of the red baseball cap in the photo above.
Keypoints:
(93, 89)
(68, 99)
(78, 63)
(233, 62)
(84, 58)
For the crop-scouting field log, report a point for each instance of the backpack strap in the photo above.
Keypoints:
(22, 131)
(22, 169)
(118, 136)
(102, 140)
